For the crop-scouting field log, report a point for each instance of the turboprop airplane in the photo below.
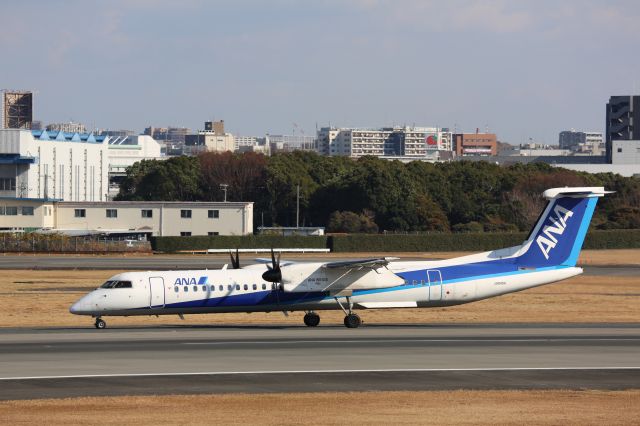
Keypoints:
(549, 254)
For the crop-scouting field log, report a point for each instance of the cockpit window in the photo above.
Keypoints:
(116, 284)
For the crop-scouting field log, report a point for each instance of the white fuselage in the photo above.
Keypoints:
(423, 284)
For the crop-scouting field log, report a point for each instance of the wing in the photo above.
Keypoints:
(360, 263)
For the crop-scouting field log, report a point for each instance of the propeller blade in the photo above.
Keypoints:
(235, 261)
(273, 273)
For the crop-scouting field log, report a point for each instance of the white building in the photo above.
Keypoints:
(127, 150)
(152, 218)
(210, 141)
(625, 152)
(407, 142)
(53, 165)
(241, 141)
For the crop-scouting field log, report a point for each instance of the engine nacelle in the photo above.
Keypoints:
(304, 278)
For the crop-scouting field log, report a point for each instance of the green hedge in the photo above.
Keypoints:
(426, 242)
(609, 239)
(173, 244)
(613, 239)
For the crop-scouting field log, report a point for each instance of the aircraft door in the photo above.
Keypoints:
(156, 292)
(435, 284)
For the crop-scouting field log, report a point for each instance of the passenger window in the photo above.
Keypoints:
(186, 289)
(221, 287)
(204, 288)
(421, 282)
(195, 288)
(264, 286)
(176, 289)
(255, 287)
(230, 287)
(237, 286)
(246, 287)
(415, 282)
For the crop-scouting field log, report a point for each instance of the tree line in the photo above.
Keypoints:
(369, 195)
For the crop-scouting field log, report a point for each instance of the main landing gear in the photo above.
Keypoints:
(311, 319)
(100, 324)
(351, 320)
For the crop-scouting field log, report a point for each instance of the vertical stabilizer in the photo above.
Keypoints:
(557, 237)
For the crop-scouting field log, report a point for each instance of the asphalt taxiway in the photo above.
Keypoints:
(45, 363)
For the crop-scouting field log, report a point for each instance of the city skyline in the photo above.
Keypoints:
(523, 70)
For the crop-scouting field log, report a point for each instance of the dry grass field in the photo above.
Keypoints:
(42, 298)
(375, 408)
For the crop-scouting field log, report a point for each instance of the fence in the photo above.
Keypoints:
(56, 243)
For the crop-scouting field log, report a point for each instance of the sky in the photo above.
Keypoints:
(521, 69)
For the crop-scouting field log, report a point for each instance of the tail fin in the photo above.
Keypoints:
(557, 237)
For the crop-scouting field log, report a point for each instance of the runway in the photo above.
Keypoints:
(167, 360)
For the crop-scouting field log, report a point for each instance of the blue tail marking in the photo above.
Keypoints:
(560, 232)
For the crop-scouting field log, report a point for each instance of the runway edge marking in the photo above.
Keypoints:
(395, 370)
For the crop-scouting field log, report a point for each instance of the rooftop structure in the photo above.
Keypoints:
(69, 127)
(17, 109)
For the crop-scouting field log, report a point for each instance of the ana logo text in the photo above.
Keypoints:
(190, 281)
(546, 240)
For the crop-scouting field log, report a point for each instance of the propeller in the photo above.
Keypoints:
(273, 273)
(235, 260)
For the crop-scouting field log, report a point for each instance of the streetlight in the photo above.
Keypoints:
(224, 187)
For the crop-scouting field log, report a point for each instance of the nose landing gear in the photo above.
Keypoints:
(100, 323)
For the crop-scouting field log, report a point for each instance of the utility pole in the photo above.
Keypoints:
(297, 206)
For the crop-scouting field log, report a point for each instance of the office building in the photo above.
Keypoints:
(214, 139)
(586, 143)
(475, 144)
(388, 142)
(623, 121)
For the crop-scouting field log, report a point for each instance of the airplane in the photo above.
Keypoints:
(549, 254)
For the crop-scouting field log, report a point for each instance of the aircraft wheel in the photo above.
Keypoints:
(352, 321)
(311, 319)
(100, 324)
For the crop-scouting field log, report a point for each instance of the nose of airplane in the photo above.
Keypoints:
(82, 306)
